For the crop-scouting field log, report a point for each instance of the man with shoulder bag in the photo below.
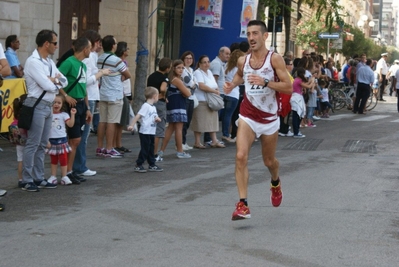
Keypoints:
(43, 81)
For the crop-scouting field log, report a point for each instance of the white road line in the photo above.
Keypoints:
(340, 116)
(395, 121)
(371, 118)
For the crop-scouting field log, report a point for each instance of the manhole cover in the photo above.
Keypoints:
(360, 146)
(304, 144)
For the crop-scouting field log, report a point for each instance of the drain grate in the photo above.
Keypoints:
(360, 146)
(304, 144)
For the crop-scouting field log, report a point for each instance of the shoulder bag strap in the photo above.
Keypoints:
(75, 82)
(102, 66)
(39, 99)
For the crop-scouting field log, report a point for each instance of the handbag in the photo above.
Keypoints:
(214, 101)
(195, 99)
(26, 114)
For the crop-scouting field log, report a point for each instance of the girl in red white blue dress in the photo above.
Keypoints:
(58, 142)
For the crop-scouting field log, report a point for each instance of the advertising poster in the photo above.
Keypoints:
(208, 13)
(249, 9)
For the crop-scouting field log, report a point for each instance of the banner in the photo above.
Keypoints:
(208, 13)
(11, 89)
(249, 10)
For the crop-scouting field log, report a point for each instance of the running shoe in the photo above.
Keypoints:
(52, 180)
(276, 196)
(66, 181)
(139, 169)
(241, 212)
(183, 155)
(155, 168)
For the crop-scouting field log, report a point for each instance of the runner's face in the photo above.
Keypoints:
(255, 37)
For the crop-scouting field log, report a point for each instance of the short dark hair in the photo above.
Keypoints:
(234, 46)
(200, 59)
(244, 46)
(287, 60)
(108, 42)
(260, 23)
(80, 44)
(185, 54)
(44, 36)
(121, 48)
(369, 61)
(10, 39)
(164, 63)
(92, 35)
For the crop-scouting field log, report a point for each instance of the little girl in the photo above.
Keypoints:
(58, 142)
(18, 136)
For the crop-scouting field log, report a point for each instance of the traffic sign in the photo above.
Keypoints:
(327, 35)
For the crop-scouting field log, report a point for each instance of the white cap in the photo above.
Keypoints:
(396, 61)
(384, 54)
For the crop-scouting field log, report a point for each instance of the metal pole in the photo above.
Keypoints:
(274, 31)
(328, 48)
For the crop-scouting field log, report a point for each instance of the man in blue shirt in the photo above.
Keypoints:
(365, 78)
(12, 45)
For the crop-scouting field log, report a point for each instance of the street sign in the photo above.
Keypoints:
(337, 43)
(327, 35)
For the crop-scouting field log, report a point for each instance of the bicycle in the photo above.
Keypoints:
(341, 95)
(372, 101)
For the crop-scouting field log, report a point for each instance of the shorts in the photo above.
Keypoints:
(111, 111)
(80, 120)
(20, 152)
(261, 128)
(161, 111)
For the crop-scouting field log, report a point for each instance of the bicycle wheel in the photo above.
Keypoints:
(372, 102)
(339, 99)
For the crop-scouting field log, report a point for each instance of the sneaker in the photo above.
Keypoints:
(44, 184)
(100, 152)
(2, 192)
(187, 147)
(20, 184)
(112, 154)
(299, 135)
(311, 125)
(155, 168)
(276, 196)
(52, 180)
(160, 153)
(289, 134)
(66, 181)
(79, 178)
(72, 178)
(139, 169)
(281, 134)
(30, 187)
(88, 173)
(241, 212)
(316, 118)
(158, 158)
(183, 155)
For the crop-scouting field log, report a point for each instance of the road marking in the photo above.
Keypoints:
(340, 116)
(395, 121)
(372, 118)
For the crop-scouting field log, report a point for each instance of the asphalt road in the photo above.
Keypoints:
(340, 206)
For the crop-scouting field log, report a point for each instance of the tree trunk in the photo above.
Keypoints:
(287, 24)
(142, 55)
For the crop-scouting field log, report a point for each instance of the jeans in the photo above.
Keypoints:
(96, 117)
(284, 127)
(186, 125)
(79, 164)
(230, 104)
(147, 149)
(38, 136)
(310, 111)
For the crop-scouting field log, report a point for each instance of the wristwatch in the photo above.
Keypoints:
(56, 81)
(266, 82)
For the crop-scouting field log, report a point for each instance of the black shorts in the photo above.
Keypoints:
(80, 119)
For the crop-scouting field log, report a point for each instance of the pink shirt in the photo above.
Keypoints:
(296, 86)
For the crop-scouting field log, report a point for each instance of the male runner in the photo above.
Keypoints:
(264, 74)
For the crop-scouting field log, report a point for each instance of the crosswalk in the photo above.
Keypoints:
(357, 117)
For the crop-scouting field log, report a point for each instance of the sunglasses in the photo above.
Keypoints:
(54, 43)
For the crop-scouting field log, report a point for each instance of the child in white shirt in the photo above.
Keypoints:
(325, 103)
(148, 118)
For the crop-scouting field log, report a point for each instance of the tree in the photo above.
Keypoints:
(142, 55)
(330, 10)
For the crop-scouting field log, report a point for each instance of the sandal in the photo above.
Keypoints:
(199, 146)
(218, 145)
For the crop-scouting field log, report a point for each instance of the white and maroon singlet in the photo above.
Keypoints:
(260, 103)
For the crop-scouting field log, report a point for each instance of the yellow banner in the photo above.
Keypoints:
(11, 89)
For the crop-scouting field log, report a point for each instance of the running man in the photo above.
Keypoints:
(264, 74)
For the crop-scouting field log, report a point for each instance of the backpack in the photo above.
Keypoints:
(15, 135)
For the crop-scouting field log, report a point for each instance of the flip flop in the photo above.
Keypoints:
(200, 146)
